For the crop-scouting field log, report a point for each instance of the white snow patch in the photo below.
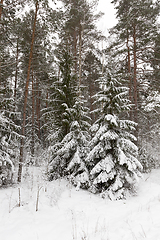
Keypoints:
(64, 213)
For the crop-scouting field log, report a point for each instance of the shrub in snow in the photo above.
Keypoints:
(114, 167)
(69, 157)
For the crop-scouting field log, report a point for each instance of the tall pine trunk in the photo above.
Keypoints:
(135, 95)
(39, 115)
(80, 57)
(33, 122)
(25, 98)
(1, 7)
(135, 75)
(38, 95)
(75, 50)
(129, 75)
(16, 73)
(91, 93)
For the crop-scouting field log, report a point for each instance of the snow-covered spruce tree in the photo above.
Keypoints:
(114, 167)
(80, 113)
(8, 148)
(62, 96)
(69, 157)
(70, 122)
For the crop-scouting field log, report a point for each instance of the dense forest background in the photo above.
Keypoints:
(63, 98)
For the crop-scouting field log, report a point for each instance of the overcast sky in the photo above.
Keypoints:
(108, 20)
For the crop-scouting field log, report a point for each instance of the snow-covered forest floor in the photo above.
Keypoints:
(66, 214)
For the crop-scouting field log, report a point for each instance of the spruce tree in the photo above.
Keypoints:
(114, 167)
(69, 126)
(9, 139)
(62, 97)
(68, 157)
(91, 72)
(9, 113)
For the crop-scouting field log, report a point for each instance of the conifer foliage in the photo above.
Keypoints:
(114, 167)
(62, 97)
(8, 148)
(68, 157)
(110, 167)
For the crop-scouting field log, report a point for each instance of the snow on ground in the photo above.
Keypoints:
(66, 214)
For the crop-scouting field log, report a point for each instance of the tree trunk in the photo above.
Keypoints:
(25, 98)
(75, 50)
(135, 80)
(1, 4)
(33, 110)
(38, 95)
(135, 75)
(129, 75)
(16, 74)
(80, 57)
(91, 93)
(102, 59)
(47, 99)
(39, 115)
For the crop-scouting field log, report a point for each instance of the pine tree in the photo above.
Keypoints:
(80, 30)
(114, 167)
(39, 77)
(35, 57)
(26, 94)
(136, 30)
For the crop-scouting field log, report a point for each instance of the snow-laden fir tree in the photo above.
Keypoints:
(68, 157)
(58, 114)
(114, 167)
(8, 148)
(70, 122)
